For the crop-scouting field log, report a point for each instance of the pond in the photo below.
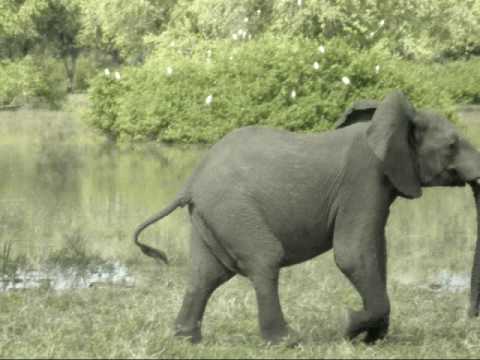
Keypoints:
(63, 186)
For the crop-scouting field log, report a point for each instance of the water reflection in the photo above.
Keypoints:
(59, 177)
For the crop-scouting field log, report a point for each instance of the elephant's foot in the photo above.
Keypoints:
(281, 336)
(358, 322)
(194, 335)
(375, 334)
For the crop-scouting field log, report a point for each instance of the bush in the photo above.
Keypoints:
(458, 81)
(105, 93)
(32, 81)
(274, 81)
(462, 79)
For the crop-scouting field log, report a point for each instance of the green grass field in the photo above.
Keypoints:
(70, 198)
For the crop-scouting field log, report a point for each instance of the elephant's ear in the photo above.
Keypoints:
(360, 111)
(388, 137)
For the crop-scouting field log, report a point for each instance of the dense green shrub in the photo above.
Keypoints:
(462, 79)
(275, 81)
(457, 80)
(105, 92)
(32, 81)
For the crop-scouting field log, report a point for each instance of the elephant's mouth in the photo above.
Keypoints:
(449, 177)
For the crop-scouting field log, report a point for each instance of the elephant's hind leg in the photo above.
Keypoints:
(206, 274)
(256, 253)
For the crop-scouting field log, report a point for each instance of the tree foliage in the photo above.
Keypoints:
(212, 19)
(57, 24)
(124, 30)
(118, 27)
(112, 29)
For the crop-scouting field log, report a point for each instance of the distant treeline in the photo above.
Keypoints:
(190, 70)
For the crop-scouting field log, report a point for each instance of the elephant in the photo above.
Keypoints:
(264, 198)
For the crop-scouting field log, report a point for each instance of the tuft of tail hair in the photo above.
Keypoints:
(154, 253)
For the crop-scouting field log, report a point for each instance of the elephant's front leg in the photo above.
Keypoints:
(361, 255)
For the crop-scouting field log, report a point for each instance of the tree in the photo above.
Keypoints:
(118, 27)
(58, 24)
(213, 19)
(17, 37)
(415, 29)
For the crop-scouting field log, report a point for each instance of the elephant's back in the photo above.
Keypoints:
(247, 152)
(257, 159)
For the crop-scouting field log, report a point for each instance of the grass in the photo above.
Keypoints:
(69, 198)
(74, 254)
(9, 263)
(119, 323)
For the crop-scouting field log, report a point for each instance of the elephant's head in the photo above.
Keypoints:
(420, 148)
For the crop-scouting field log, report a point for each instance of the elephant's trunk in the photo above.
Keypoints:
(475, 280)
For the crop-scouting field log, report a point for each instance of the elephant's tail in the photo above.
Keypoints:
(147, 250)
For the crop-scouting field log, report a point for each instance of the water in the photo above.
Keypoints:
(441, 281)
(61, 183)
(451, 282)
(115, 274)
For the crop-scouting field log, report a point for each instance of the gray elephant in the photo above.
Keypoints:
(266, 198)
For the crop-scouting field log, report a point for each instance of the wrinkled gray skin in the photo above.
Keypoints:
(262, 199)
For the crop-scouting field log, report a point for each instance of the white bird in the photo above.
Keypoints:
(346, 80)
(321, 48)
(209, 99)
(316, 65)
